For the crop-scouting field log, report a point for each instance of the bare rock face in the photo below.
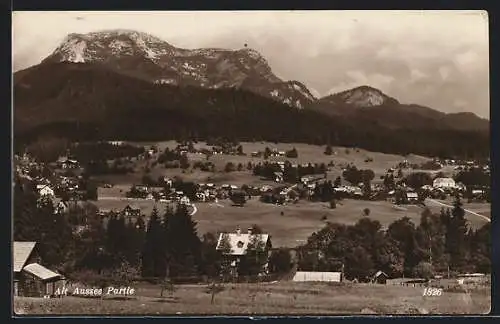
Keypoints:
(150, 58)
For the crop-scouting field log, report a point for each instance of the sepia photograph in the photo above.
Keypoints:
(246, 163)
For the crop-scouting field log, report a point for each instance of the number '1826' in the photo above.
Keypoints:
(431, 291)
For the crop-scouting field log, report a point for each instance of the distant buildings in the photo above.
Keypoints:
(444, 183)
(45, 190)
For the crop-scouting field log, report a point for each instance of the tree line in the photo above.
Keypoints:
(138, 111)
(440, 243)
(83, 245)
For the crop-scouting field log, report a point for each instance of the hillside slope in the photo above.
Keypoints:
(367, 103)
(89, 101)
(153, 59)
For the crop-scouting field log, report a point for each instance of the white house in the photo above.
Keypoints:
(44, 190)
(184, 200)
(235, 246)
(412, 196)
(444, 183)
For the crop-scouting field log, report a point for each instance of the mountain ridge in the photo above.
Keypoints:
(153, 59)
(88, 101)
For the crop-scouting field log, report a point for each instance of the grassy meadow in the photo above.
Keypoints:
(282, 298)
(287, 224)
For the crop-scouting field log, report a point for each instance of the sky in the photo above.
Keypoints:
(438, 59)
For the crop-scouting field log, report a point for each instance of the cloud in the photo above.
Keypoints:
(417, 75)
(444, 72)
(467, 61)
(460, 103)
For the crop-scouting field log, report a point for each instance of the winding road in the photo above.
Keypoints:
(193, 212)
(466, 210)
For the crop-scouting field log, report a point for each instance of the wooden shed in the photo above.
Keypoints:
(30, 278)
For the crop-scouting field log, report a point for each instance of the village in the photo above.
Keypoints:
(272, 181)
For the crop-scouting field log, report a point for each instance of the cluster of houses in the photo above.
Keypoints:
(60, 189)
(273, 153)
(159, 193)
(465, 164)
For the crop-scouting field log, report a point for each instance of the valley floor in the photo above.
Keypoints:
(283, 298)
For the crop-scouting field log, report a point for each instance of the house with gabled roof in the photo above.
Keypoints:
(235, 247)
(30, 277)
(44, 190)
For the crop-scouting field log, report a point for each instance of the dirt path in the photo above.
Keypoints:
(466, 210)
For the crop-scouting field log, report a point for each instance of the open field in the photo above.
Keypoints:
(296, 224)
(285, 298)
(307, 154)
(298, 221)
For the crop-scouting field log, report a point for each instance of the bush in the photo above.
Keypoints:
(424, 270)
(280, 261)
(229, 167)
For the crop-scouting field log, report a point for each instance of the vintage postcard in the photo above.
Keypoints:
(251, 163)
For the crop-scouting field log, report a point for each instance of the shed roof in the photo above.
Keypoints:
(380, 273)
(22, 251)
(40, 271)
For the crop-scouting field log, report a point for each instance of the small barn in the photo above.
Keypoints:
(40, 281)
(380, 278)
(411, 197)
(30, 277)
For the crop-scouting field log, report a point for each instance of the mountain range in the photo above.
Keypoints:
(117, 76)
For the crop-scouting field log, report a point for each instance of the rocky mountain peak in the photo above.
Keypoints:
(365, 96)
(360, 97)
(153, 59)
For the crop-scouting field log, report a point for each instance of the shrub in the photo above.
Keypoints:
(424, 270)
(229, 167)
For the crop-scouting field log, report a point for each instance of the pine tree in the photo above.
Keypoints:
(154, 250)
(456, 236)
(55, 233)
(182, 243)
(25, 214)
(211, 258)
(111, 233)
(133, 242)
